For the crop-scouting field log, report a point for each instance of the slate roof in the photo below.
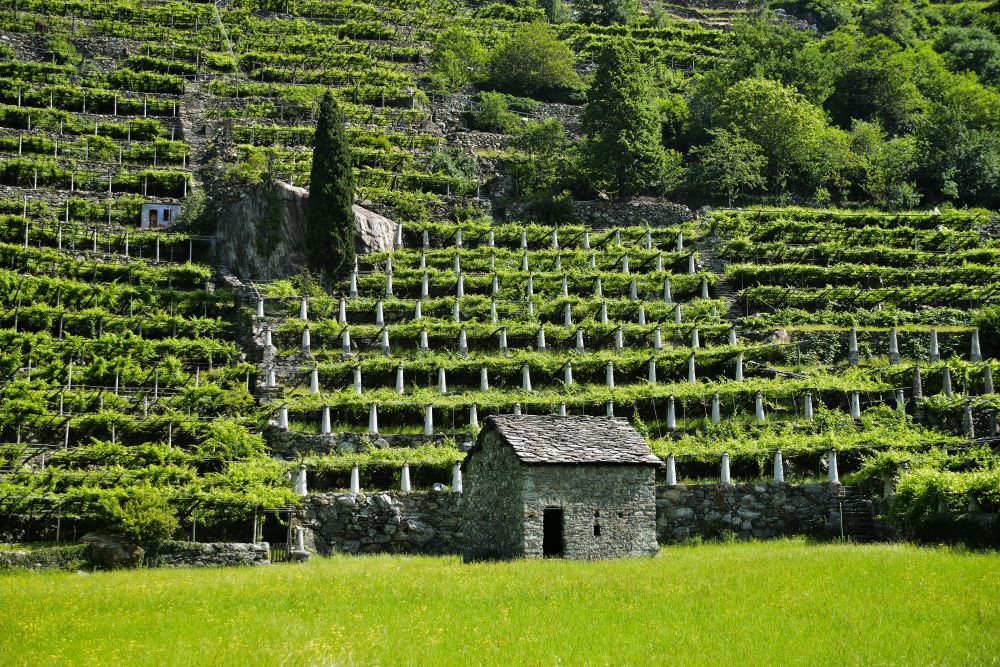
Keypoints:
(573, 439)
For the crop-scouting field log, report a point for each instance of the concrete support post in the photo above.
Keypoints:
(893, 347)
(324, 421)
(724, 476)
(357, 380)
(758, 407)
(283, 417)
(404, 479)
(779, 467)
(716, 414)
(671, 414)
(373, 419)
(456, 478)
(934, 355)
(671, 470)
(355, 480)
(400, 387)
(831, 469)
(428, 420)
(314, 381)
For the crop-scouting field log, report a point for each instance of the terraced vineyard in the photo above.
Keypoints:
(131, 369)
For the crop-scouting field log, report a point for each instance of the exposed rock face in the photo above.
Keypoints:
(373, 232)
(263, 235)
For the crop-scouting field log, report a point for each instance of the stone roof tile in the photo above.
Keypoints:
(573, 439)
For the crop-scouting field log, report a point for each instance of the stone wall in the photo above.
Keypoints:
(755, 510)
(290, 444)
(640, 212)
(207, 554)
(608, 511)
(431, 522)
(385, 522)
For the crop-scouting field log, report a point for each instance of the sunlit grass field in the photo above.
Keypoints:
(787, 602)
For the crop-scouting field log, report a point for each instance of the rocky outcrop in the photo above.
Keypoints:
(263, 234)
(373, 232)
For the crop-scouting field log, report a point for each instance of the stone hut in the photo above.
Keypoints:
(548, 486)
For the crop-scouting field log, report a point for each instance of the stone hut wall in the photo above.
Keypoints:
(618, 498)
(756, 510)
(493, 514)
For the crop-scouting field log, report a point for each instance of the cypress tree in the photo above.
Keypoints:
(329, 215)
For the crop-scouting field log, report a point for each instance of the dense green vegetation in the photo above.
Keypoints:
(834, 603)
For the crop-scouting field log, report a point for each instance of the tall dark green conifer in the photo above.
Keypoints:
(329, 216)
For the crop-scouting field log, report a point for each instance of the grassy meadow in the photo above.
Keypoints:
(787, 602)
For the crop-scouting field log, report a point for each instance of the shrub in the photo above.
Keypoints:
(146, 517)
(533, 62)
(493, 116)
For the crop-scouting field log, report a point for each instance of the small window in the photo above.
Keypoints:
(597, 530)
(166, 215)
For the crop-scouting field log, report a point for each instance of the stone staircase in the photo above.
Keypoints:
(723, 288)
(857, 513)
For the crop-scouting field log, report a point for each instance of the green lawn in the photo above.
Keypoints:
(761, 603)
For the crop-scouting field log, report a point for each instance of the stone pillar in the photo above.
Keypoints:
(495, 285)
(625, 263)
(586, 239)
(602, 315)
(357, 380)
(463, 342)
(355, 480)
(399, 379)
(900, 400)
(442, 382)
(353, 289)
(855, 405)
(724, 476)
(671, 471)
(345, 340)
(704, 289)
(610, 407)
(666, 291)
(456, 478)
(562, 409)
(619, 340)
(404, 479)
(975, 353)
(678, 315)
(671, 414)
(524, 262)
(268, 346)
(598, 288)
(306, 342)
(428, 420)
(657, 339)
(517, 408)
(460, 286)
(564, 286)
(422, 340)
(529, 288)
(283, 417)
(733, 337)
(609, 375)
(852, 347)
(304, 310)
(642, 315)
(831, 471)
(484, 378)
(779, 467)
(503, 340)
(385, 342)
(399, 236)
(652, 371)
(567, 315)
(342, 312)
(739, 368)
(935, 354)
(987, 379)
(758, 407)
(633, 290)
(893, 347)
(301, 487)
(425, 288)
(692, 377)
(314, 381)
(579, 341)
(260, 307)
(269, 380)
(809, 406)
(526, 377)
(379, 313)
(968, 428)
(473, 416)
(691, 265)
(540, 339)
(324, 422)
(373, 419)
(493, 311)
(716, 414)
(946, 382)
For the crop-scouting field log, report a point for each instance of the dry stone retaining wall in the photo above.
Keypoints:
(430, 522)
(758, 510)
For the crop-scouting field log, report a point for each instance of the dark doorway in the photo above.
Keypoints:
(552, 532)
